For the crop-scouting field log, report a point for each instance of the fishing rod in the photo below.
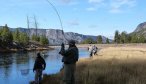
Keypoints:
(26, 71)
(55, 9)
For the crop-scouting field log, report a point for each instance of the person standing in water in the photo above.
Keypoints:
(70, 57)
(38, 68)
(95, 50)
(90, 49)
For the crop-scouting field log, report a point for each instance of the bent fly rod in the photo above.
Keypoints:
(55, 9)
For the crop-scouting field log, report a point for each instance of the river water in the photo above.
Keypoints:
(16, 68)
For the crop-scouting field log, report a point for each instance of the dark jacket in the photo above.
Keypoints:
(39, 63)
(70, 56)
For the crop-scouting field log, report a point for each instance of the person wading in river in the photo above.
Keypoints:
(70, 57)
(38, 68)
(90, 48)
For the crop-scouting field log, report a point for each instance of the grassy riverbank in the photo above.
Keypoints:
(113, 65)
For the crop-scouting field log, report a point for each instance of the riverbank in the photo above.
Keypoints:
(120, 64)
(25, 49)
(17, 47)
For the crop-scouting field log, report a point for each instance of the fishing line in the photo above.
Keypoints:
(26, 71)
(55, 9)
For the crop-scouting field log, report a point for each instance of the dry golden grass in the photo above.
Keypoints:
(112, 65)
(123, 53)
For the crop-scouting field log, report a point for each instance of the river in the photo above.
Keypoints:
(16, 68)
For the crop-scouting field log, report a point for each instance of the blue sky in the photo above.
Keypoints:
(91, 17)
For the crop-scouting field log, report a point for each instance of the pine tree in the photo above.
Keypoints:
(24, 39)
(0, 41)
(123, 38)
(134, 38)
(6, 36)
(129, 38)
(117, 37)
(16, 35)
(44, 40)
(35, 38)
(141, 39)
(99, 39)
(107, 41)
(88, 41)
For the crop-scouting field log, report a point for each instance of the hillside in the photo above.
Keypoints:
(141, 29)
(56, 36)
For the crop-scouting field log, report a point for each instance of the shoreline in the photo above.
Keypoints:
(104, 67)
(24, 50)
(78, 45)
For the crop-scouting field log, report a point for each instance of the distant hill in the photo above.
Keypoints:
(56, 36)
(141, 29)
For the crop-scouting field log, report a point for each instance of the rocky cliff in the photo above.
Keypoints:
(141, 29)
(57, 36)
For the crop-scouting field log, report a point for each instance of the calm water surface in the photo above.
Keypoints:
(16, 68)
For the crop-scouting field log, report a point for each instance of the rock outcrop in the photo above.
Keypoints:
(56, 36)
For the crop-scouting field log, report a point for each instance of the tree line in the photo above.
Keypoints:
(119, 38)
(7, 37)
(99, 40)
(123, 37)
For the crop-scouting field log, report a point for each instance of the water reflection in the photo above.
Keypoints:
(22, 58)
(7, 70)
(6, 60)
(11, 65)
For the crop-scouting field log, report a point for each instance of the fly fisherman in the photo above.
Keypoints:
(95, 50)
(90, 48)
(70, 57)
(39, 66)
